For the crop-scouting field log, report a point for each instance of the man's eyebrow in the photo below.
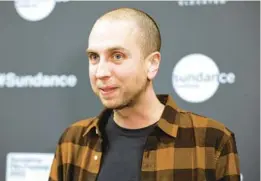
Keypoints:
(116, 48)
(89, 50)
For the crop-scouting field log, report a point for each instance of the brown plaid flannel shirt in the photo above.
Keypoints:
(183, 147)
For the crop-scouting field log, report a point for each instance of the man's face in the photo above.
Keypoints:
(117, 69)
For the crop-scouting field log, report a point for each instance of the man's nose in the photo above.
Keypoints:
(103, 69)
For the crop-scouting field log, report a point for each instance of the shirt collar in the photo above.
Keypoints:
(167, 122)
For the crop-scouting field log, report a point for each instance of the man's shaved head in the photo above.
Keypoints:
(149, 34)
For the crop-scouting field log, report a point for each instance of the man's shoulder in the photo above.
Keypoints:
(208, 132)
(83, 123)
(74, 132)
(201, 122)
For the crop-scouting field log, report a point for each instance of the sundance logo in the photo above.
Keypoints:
(35, 10)
(11, 80)
(196, 78)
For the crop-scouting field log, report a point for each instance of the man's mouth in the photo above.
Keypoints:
(107, 90)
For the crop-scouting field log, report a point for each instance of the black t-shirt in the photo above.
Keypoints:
(122, 159)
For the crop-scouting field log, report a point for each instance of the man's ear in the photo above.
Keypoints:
(153, 61)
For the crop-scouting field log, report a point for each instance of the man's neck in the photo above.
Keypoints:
(147, 111)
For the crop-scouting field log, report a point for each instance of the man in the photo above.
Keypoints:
(139, 135)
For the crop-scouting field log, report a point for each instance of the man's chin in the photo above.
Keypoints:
(108, 104)
(115, 106)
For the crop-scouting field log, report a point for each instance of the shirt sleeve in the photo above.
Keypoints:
(228, 166)
(57, 166)
(55, 174)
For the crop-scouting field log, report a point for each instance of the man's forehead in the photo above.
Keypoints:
(103, 28)
(112, 36)
(105, 43)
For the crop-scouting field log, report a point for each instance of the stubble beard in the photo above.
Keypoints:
(130, 100)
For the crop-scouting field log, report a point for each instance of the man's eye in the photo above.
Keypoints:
(93, 56)
(117, 56)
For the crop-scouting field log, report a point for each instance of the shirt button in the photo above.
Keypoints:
(95, 157)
